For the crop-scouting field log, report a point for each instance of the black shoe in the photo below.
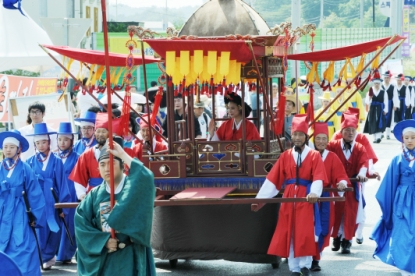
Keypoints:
(378, 140)
(315, 266)
(388, 138)
(359, 241)
(336, 244)
(305, 271)
(383, 136)
(346, 244)
(295, 274)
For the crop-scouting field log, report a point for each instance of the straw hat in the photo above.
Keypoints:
(326, 96)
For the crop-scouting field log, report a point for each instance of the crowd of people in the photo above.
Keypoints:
(43, 166)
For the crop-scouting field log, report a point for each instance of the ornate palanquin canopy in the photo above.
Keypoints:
(97, 57)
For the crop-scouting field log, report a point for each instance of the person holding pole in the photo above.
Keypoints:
(337, 178)
(354, 159)
(20, 191)
(129, 252)
(301, 172)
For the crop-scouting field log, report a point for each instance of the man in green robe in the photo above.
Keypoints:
(130, 252)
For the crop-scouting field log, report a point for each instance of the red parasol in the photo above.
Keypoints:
(97, 57)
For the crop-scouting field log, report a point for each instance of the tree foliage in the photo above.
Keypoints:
(20, 72)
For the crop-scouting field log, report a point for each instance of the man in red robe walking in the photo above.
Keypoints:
(353, 156)
(372, 159)
(337, 178)
(85, 174)
(301, 172)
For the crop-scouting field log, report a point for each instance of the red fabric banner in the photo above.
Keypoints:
(344, 52)
(238, 48)
(97, 57)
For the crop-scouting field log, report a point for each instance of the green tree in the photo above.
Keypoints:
(20, 72)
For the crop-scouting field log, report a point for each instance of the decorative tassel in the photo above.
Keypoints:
(310, 108)
(279, 122)
(125, 117)
(157, 102)
(311, 46)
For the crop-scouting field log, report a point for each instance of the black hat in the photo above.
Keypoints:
(105, 155)
(235, 98)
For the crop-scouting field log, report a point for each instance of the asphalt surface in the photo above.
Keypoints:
(360, 262)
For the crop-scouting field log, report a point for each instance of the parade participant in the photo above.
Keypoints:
(337, 178)
(129, 253)
(17, 239)
(394, 234)
(85, 174)
(410, 90)
(336, 106)
(88, 140)
(203, 118)
(353, 157)
(180, 114)
(393, 101)
(130, 140)
(377, 99)
(48, 169)
(290, 111)
(69, 158)
(36, 112)
(301, 171)
(147, 137)
(403, 110)
(372, 159)
(325, 100)
(232, 128)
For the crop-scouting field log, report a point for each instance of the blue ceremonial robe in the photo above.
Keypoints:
(80, 145)
(66, 250)
(51, 177)
(394, 233)
(17, 240)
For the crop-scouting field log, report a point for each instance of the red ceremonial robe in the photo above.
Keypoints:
(348, 208)
(226, 131)
(335, 173)
(86, 170)
(362, 139)
(138, 149)
(295, 219)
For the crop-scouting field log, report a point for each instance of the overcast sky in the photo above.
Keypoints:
(160, 3)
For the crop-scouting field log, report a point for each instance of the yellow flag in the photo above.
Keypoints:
(170, 62)
(212, 56)
(184, 63)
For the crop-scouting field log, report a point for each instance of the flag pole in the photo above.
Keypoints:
(109, 108)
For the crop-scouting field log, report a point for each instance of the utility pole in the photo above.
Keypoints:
(361, 14)
(396, 22)
(321, 13)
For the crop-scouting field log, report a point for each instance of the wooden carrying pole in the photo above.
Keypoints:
(193, 202)
(108, 79)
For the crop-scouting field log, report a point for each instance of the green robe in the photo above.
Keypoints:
(131, 217)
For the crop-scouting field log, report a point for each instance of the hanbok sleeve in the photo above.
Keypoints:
(61, 183)
(90, 239)
(132, 215)
(79, 173)
(35, 196)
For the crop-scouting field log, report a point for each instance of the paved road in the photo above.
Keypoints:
(358, 263)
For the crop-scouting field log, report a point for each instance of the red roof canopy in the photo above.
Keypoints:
(344, 52)
(238, 48)
(97, 57)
